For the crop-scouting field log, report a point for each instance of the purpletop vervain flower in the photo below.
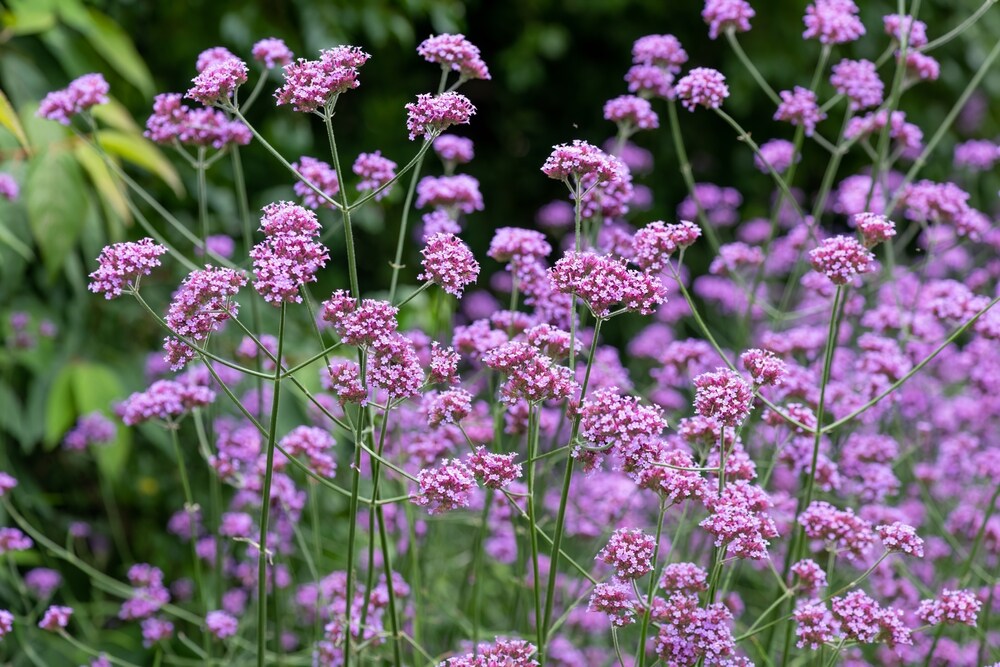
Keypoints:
(447, 487)
(311, 84)
(841, 258)
(82, 93)
(778, 153)
(448, 262)
(375, 171)
(702, 86)
(631, 113)
(172, 120)
(430, 115)
(320, 174)
(661, 50)
(55, 618)
(453, 149)
(832, 22)
(722, 15)
(858, 80)
(272, 52)
(201, 305)
(8, 187)
(123, 264)
(218, 81)
(799, 107)
(290, 255)
(456, 53)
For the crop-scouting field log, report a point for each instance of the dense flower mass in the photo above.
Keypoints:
(453, 149)
(833, 22)
(312, 84)
(858, 80)
(9, 189)
(459, 192)
(218, 81)
(799, 107)
(724, 395)
(430, 115)
(456, 53)
(446, 487)
(581, 159)
(272, 52)
(951, 607)
(121, 265)
(200, 306)
(660, 50)
(172, 120)
(629, 552)
(375, 171)
(165, 400)
(602, 282)
(290, 255)
(631, 112)
(723, 15)
(82, 93)
(448, 262)
(841, 258)
(654, 244)
(777, 153)
(702, 86)
(322, 177)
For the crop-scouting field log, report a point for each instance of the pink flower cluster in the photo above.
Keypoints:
(841, 258)
(172, 120)
(375, 171)
(615, 599)
(449, 407)
(604, 281)
(430, 115)
(799, 107)
(148, 593)
(874, 228)
(315, 444)
(702, 86)
(218, 81)
(531, 375)
(723, 15)
(840, 529)
(833, 22)
(121, 265)
(272, 52)
(8, 187)
(453, 149)
(164, 399)
(322, 176)
(724, 395)
(654, 244)
(449, 263)
(313, 84)
(91, 429)
(950, 607)
(496, 471)
(363, 324)
(858, 80)
(456, 53)
(580, 159)
(290, 255)
(201, 305)
(447, 487)
(82, 93)
(629, 552)
(901, 538)
(459, 192)
(631, 112)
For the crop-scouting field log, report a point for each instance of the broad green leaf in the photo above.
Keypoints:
(117, 116)
(8, 239)
(9, 119)
(24, 19)
(142, 152)
(60, 408)
(95, 388)
(11, 417)
(107, 187)
(55, 199)
(114, 44)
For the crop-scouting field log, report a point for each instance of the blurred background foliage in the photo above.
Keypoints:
(553, 65)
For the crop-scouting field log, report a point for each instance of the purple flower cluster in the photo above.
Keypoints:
(447, 487)
(724, 395)
(858, 80)
(365, 323)
(148, 593)
(200, 306)
(702, 86)
(531, 375)
(430, 115)
(456, 53)
(833, 22)
(449, 263)
(272, 52)
(173, 121)
(290, 255)
(631, 113)
(121, 265)
(315, 444)
(313, 84)
(723, 15)
(778, 153)
(80, 95)
(375, 171)
(8, 187)
(603, 281)
(841, 258)
(453, 149)
(496, 471)
(654, 244)
(322, 176)
(91, 429)
(218, 81)
(799, 107)
(950, 607)
(458, 193)
(629, 552)
(164, 399)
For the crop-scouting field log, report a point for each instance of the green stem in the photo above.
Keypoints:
(190, 508)
(265, 501)
(533, 426)
(651, 589)
(397, 262)
(748, 64)
(201, 168)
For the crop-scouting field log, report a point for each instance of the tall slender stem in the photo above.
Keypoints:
(265, 501)
(651, 588)
(201, 168)
(533, 425)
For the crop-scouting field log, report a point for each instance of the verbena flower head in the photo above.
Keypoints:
(778, 153)
(449, 263)
(650, 81)
(496, 471)
(603, 281)
(453, 149)
(833, 22)
(449, 407)
(201, 305)
(312, 84)
(395, 367)
(654, 244)
(343, 378)
(631, 112)
(221, 625)
(841, 258)
(447, 487)
(724, 395)
(722, 15)
(8, 187)
(289, 256)
(444, 365)
(689, 633)
(362, 323)
(908, 137)
(172, 120)
(82, 93)
(272, 52)
(615, 599)
(581, 159)
(899, 26)
(218, 81)
(456, 53)
(811, 577)
(865, 621)
(155, 630)
(702, 86)
(901, 538)
(55, 618)
(122, 264)
(12, 539)
(975, 155)
(629, 552)
(7, 483)
(672, 476)
(430, 115)
(320, 174)
(799, 107)
(91, 429)
(858, 80)
(840, 529)
(660, 50)
(212, 56)
(950, 607)
(765, 367)
(503, 652)
(874, 228)
(164, 399)
(683, 577)
(531, 375)
(6, 623)
(458, 193)
(814, 625)
(375, 171)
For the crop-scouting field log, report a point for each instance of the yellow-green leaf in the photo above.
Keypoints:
(109, 190)
(56, 200)
(116, 116)
(114, 44)
(95, 388)
(140, 151)
(24, 19)
(9, 119)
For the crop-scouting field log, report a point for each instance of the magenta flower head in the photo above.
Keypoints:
(975, 155)
(859, 82)
(320, 174)
(778, 153)
(7, 483)
(218, 81)
(899, 26)
(375, 171)
(841, 258)
(12, 539)
(123, 264)
(724, 395)
(458, 193)
(361, 324)
(172, 120)
(630, 552)
(91, 429)
(430, 115)
(447, 487)
(449, 407)
(165, 400)
(723, 15)
(833, 22)
(496, 471)
(448, 262)
(456, 53)
(272, 52)
(82, 93)
(200, 306)
(702, 86)
(221, 625)
(799, 107)
(653, 245)
(6, 623)
(55, 618)
(901, 538)
(603, 281)
(290, 255)
(312, 84)
(8, 187)
(631, 113)
(663, 51)
(615, 599)
(650, 81)
(581, 159)
(874, 228)
(453, 149)
(951, 607)
(765, 367)
(212, 56)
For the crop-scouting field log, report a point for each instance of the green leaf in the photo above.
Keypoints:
(9, 119)
(108, 189)
(11, 417)
(95, 388)
(55, 199)
(60, 408)
(114, 114)
(25, 19)
(114, 44)
(142, 152)
(8, 238)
